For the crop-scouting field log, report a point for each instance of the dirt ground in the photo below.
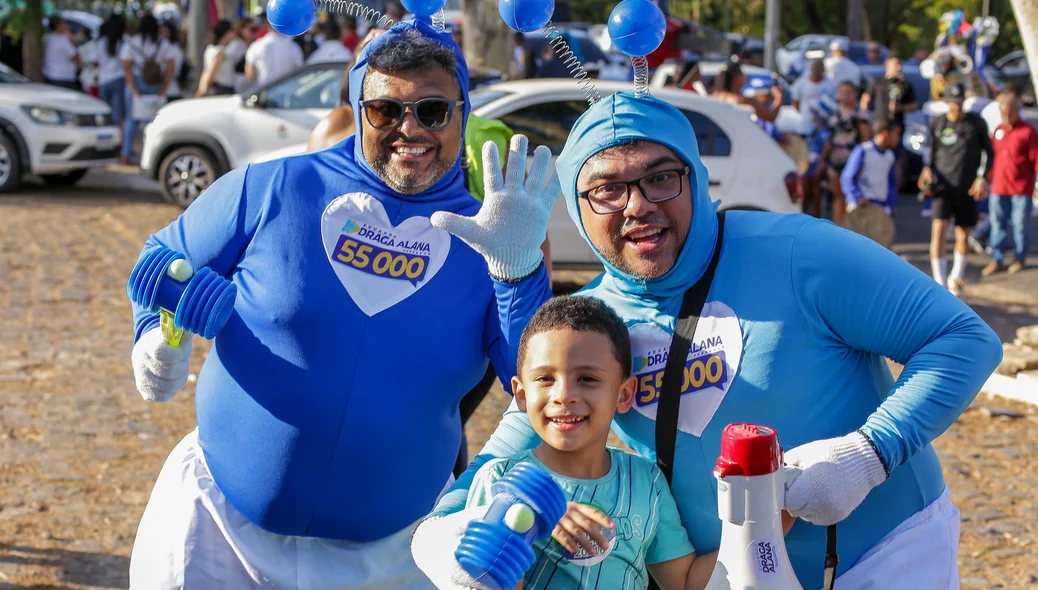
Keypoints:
(80, 450)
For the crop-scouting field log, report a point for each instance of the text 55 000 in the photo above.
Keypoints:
(381, 262)
(701, 372)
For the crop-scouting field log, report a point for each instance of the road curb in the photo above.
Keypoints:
(1022, 388)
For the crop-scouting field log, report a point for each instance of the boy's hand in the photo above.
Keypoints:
(788, 520)
(580, 526)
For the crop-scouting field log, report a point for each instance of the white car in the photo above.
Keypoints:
(51, 132)
(192, 142)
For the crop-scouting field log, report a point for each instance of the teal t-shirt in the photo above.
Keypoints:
(634, 494)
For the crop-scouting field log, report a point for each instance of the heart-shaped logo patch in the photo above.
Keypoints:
(710, 368)
(378, 263)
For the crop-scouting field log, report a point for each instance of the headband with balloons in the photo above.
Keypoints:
(636, 27)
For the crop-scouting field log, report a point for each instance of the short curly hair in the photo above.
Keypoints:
(411, 51)
(581, 314)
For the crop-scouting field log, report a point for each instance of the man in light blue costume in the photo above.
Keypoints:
(327, 408)
(800, 315)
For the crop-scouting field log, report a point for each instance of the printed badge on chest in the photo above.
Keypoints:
(710, 368)
(378, 263)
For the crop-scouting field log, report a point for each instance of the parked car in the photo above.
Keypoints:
(545, 111)
(51, 132)
(791, 61)
(1012, 68)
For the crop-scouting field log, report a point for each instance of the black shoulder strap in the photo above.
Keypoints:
(673, 372)
(670, 394)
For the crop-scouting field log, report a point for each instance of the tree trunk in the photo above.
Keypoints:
(486, 38)
(854, 14)
(1026, 12)
(32, 40)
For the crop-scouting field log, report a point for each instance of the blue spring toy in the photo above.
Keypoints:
(496, 550)
(291, 17)
(198, 302)
(526, 16)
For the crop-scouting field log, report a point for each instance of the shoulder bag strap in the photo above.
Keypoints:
(673, 372)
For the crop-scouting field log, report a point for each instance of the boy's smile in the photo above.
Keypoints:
(571, 386)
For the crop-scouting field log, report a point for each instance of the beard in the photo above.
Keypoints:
(403, 180)
(647, 269)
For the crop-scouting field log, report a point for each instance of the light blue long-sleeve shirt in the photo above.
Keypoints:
(798, 322)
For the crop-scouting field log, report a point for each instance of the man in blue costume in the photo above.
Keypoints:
(799, 317)
(327, 409)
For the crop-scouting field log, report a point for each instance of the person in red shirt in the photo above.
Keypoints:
(350, 38)
(1013, 176)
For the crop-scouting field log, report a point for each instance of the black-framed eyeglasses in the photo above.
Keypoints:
(656, 187)
(431, 113)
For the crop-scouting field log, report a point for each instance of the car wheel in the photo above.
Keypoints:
(10, 165)
(65, 178)
(185, 172)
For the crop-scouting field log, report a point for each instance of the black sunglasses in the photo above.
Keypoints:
(388, 113)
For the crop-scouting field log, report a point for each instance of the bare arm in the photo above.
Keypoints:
(168, 79)
(763, 113)
(866, 101)
(250, 72)
(209, 74)
(131, 80)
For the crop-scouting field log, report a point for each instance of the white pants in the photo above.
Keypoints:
(191, 537)
(922, 553)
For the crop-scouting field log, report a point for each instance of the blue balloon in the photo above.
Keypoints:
(637, 27)
(526, 16)
(291, 17)
(423, 7)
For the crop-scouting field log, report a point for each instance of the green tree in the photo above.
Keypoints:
(32, 40)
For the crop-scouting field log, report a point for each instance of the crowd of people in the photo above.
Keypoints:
(852, 130)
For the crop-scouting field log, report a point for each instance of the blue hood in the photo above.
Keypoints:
(454, 180)
(621, 118)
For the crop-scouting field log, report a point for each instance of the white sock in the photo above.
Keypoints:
(958, 267)
(939, 266)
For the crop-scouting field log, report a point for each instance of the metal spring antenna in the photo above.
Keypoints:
(439, 21)
(355, 9)
(641, 75)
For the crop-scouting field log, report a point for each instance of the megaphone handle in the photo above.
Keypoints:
(170, 332)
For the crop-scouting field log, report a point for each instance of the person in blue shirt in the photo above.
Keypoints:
(761, 89)
(328, 407)
(870, 176)
(801, 317)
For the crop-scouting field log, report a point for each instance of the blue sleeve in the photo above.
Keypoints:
(516, 304)
(892, 186)
(849, 176)
(513, 436)
(213, 232)
(860, 295)
(670, 539)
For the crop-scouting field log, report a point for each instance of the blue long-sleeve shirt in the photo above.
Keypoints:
(871, 173)
(328, 405)
(799, 320)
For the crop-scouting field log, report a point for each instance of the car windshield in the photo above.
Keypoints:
(9, 76)
(482, 98)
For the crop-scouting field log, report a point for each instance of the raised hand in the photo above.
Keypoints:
(511, 225)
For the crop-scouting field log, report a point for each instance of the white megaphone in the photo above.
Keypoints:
(751, 491)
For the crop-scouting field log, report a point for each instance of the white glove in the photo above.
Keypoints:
(433, 545)
(837, 474)
(511, 225)
(160, 369)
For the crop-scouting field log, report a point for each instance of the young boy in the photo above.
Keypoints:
(574, 365)
(870, 176)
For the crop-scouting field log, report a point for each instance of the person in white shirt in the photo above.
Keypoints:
(839, 68)
(60, 57)
(148, 70)
(169, 32)
(331, 48)
(808, 91)
(110, 80)
(271, 56)
(219, 61)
